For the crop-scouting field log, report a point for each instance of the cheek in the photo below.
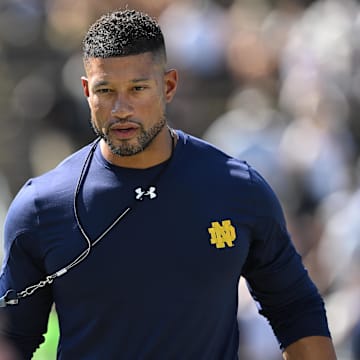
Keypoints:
(94, 102)
(96, 106)
(155, 105)
(153, 112)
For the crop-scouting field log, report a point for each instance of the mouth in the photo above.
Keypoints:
(124, 131)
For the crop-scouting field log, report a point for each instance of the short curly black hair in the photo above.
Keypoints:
(123, 33)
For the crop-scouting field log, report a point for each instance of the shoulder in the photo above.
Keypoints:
(43, 193)
(204, 157)
(63, 176)
(68, 168)
(229, 176)
(210, 158)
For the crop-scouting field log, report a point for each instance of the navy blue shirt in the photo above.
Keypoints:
(163, 282)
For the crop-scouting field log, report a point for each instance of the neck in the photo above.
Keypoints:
(158, 151)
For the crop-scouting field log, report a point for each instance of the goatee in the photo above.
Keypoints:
(126, 148)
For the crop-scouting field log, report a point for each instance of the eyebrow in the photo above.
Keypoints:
(105, 82)
(141, 80)
(100, 83)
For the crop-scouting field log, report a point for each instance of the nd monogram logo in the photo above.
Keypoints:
(222, 235)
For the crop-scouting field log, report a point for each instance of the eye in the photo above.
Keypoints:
(139, 88)
(103, 91)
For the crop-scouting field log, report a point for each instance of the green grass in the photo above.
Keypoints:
(47, 350)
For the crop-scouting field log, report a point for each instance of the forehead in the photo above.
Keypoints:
(123, 67)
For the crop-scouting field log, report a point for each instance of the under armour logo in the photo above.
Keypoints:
(140, 193)
(223, 234)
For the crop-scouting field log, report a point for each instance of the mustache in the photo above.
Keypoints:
(120, 121)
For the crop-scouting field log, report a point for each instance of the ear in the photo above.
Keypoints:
(171, 80)
(85, 85)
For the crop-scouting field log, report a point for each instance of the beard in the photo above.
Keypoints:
(144, 139)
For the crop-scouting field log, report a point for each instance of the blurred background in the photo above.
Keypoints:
(276, 83)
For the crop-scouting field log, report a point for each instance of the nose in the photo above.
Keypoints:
(122, 107)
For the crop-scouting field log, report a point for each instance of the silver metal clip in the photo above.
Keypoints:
(10, 298)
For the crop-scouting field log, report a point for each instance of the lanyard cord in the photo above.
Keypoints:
(50, 278)
(12, 297)
(89, 243)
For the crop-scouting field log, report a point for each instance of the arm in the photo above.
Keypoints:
(283, 290)
(23, 325)
(310, 348)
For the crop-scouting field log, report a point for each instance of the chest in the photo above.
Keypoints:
(170, 237)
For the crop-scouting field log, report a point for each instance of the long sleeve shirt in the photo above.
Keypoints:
(163, 282)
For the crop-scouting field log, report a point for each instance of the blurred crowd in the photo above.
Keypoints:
(273, 82)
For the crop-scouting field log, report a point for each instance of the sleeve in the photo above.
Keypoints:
(276, 276)
(23, 325)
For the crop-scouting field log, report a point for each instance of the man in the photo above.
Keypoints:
(140, 238)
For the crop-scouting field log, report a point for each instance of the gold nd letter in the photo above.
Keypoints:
(223, 234)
